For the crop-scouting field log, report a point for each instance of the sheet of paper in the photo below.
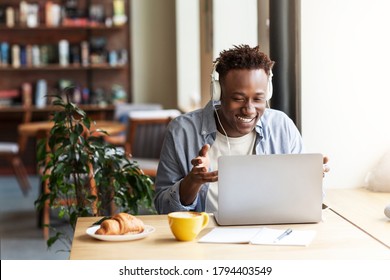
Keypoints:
(258, 236)
(229, 235)
(268, 236)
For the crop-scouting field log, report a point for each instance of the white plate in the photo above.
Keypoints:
(123, 237)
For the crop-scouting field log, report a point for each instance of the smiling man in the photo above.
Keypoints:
(236, 121)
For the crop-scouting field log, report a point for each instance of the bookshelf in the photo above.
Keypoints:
(96, 58)
(102, 72)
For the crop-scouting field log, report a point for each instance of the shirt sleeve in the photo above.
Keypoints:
(280, 135)
(172, 168)
(168, 200)
(296, 142)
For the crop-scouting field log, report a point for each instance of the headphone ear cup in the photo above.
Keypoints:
(270, 86)
(215, 85)
(216, 95)
(270, 90)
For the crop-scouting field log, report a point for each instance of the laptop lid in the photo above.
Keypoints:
(269, 189)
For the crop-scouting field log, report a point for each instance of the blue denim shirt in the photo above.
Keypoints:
(187, 134)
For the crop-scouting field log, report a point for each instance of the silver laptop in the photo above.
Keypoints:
(269, 189)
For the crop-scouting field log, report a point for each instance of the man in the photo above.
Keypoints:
(235, 121)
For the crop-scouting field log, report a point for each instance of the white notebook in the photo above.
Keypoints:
(258, 236)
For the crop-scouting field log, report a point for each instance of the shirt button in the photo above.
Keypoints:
(203, 132)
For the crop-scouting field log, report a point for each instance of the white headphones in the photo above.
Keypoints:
(216, 86)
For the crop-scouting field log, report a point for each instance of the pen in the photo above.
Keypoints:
(284, 234)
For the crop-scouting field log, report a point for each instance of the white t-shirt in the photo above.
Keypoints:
(238, 146)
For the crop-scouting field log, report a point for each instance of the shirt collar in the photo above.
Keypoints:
(208, 126)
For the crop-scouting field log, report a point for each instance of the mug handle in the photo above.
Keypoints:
(205, 219)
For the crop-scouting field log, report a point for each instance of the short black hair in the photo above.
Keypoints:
(242, 57)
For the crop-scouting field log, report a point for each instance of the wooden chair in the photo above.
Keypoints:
(146, 130)
(121, 113)
(10, 152)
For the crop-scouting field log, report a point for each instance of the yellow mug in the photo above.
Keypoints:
(185, 226)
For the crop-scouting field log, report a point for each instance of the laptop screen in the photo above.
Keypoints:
(269, 189)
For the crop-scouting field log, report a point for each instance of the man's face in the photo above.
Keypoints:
(242, 101)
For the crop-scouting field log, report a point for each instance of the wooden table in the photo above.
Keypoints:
(364, 209)
(33, 129)
(336, 238)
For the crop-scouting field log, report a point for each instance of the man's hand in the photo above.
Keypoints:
(198, 175)
(201, 164)
(325, 165)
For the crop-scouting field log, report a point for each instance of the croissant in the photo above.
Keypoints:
(121, 223)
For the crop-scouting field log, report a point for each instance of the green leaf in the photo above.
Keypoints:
(87, 122)
(80, 112)
(79, 129)
(73, 138)
(53, 239)
(58, 102)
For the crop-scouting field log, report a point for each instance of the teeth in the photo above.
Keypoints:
(245, 120)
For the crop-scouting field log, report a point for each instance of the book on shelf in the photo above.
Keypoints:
(8, 96)
(27, 94)
(41, 93)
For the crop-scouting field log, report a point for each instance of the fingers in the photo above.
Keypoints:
(199, 160)
(199, 169)
(196, 161)
(325, 160)
(325, 167)
(203, 152)
(200, 175)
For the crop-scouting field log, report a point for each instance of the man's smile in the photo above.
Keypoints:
(244, 119)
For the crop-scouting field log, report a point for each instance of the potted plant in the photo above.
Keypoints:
(84, 175)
